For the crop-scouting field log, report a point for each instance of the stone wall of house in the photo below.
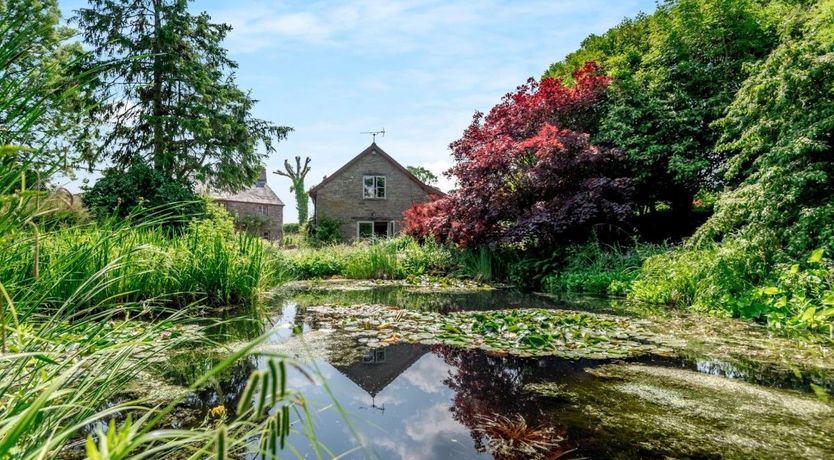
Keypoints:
(275, 214)
(342, 199)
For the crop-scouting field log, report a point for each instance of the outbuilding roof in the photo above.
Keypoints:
(258, 194)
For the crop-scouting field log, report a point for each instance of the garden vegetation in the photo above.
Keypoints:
(705, 128)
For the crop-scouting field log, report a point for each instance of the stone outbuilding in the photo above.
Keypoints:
(369, 194)
(256, 209)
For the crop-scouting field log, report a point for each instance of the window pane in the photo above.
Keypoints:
(380, 187)
(366, 229)
(368, 187)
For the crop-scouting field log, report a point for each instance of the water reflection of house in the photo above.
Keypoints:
(381, 366)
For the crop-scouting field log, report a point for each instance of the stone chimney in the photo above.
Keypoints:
(261, 180)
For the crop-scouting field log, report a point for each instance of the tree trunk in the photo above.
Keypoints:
(156, 93)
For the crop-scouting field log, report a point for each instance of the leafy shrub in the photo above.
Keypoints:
(292, 228)
(713, 278)
(801, 296)
(140, 189)
(599, 269)
(325, 230)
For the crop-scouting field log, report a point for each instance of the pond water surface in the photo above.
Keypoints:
(417, 401)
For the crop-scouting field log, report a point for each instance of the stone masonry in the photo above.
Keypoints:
(340, 196)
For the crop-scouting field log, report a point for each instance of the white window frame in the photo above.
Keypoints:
(376, 187)
(263, 209)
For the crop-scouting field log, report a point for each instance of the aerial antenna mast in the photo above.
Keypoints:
(374, 133)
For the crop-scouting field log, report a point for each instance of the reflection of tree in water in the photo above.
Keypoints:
(423, 300)
(490, 400)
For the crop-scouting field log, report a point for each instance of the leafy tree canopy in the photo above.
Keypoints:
(779, 135)
(423, 174)
(527, 172)
(141, 190)
(169, 97)
(41, 79)
(674, 73)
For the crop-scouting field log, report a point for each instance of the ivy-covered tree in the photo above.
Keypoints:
(297, 175)
(527, 172)
(169, 97)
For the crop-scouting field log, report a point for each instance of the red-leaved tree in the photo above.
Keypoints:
(527, 172)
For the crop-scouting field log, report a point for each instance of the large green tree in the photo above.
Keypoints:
(675, 72)
(169, 98)
(779, 135)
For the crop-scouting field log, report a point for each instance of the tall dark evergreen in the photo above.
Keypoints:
(169, 95)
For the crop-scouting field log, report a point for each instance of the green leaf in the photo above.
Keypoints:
(770, 290)
(816, 256)
(821, 393)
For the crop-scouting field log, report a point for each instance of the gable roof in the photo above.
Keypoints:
(373, 148)
(254, 194)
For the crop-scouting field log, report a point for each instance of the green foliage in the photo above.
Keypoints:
(296, 176)
(778, 133)
(168, 96)
(292, 228)
(599, 269)
(140, 190)
(376, 261)
(426, 176)
(714, 278)
(43, 81)
(325, 230)
(801, 296)
(252, 223)
(675, 72)
(394, 258)
(479, 263)
(208, 262)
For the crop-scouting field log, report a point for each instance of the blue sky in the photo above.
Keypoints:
(418, 68)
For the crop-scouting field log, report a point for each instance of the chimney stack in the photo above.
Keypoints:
(261, 180)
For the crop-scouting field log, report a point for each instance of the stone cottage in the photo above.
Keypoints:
(369, 194)
(256, 209)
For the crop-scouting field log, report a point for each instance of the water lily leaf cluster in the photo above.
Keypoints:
(520, 332)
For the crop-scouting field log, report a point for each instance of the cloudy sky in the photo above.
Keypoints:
(418, 68)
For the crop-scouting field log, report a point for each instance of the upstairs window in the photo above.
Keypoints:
(373, 187)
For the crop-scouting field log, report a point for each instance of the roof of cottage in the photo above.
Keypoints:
(255, 194)
(373, 148)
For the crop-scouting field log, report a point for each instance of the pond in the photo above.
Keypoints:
(712, 388)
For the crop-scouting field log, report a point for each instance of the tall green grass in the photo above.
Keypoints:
(136, 262)
(395, 258)
(599, 269)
